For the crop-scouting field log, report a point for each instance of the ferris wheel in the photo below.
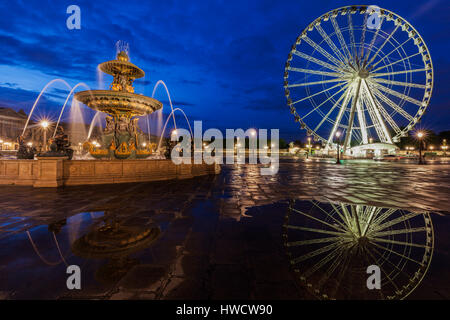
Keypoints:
(364, 72)
(331, 245)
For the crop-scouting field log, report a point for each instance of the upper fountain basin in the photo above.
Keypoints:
(118, 102)
(122, 66)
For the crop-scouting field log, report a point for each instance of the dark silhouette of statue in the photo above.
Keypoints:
(25, 151)
(59, 145)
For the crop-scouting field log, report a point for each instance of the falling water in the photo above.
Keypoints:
(39, 97)
(67, 99)
(159, 118)
(148, 129)
(96, 122)
(172, 114)
(77, 126)
(100, 81)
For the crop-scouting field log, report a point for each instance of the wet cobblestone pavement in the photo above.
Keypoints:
(221, 236)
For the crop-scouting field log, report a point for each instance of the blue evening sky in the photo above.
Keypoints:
(223, 61)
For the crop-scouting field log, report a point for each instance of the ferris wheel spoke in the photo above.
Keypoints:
(316, 72)
(343, 256)
(397, 94)
(314, 83)
(316, 61)
(330, 43)
(352, 116)
(383, 270)
(384, 43)
(362, 122)
(320, 92)
(344, 264)
(316, 252)
(311, 241)
(318, 48)
(339, 117)
(335, 254)
(347, 214)
(343, 217)
(394, 106)
(292, 227)
(399, 231)
(395, 221)
(318, 220)
(397, 72)
(375, 115)
(376, 110)
(403, 243)
(399, 83)
(363, 39)
(381, 217)
(397, 61)
(375, 35)
(386, 116)
(341, 39)
(387, 55)
(330, 216)
(406, 274)
(330, 97)
(331, 110)
(352, 35)
(371, 215)
(398, 254)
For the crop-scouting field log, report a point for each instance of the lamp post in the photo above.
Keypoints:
(338, 134)
(444, 146)
(309, 147)
(44, 124)
(420, 135)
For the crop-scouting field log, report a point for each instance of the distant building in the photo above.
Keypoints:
(11, 126)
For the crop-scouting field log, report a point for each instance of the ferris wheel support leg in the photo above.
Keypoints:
(341, 113)
(362, 122)
(387, 137)
(352, 116)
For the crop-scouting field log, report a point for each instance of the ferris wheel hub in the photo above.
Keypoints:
(363, 73)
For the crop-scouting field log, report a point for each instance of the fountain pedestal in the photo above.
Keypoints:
(50, 172)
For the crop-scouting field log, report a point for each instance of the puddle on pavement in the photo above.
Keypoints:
(285, 250)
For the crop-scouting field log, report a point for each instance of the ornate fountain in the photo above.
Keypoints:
(122, 137)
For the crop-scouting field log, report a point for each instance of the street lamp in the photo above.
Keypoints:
(338, 134)
(370, 140)
(44, 124)
(309, 146)
(444, 146)
(420, 136)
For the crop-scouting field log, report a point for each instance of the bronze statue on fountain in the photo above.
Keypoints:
(122, 139)
(59, 146)
(25, 151)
